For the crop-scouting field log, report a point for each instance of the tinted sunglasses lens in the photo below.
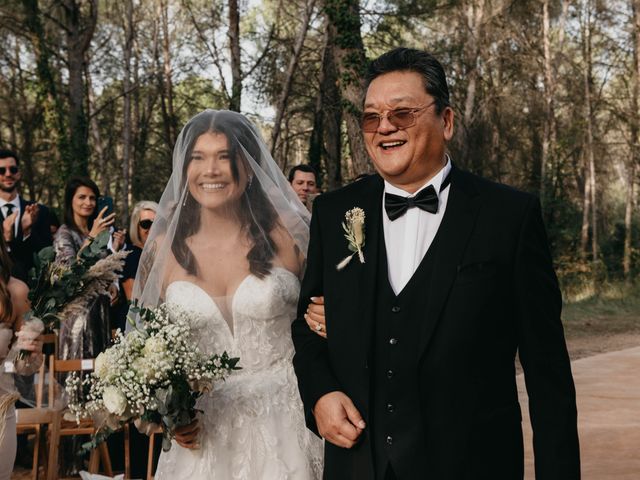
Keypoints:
(145, 224)
(401, 118)
(13, 170)
(370, 122)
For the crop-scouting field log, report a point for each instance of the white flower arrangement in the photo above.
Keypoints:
(154, 374)
(353, 227)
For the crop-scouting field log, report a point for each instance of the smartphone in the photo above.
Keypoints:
(104, 201)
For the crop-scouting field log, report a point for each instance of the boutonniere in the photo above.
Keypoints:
(354, 233)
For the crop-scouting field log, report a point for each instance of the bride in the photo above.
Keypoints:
(227, 246)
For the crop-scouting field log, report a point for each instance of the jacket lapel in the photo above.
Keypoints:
(457, 224)
(371, 203)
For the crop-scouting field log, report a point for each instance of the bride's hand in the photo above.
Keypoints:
(187, 436)
(315, 316)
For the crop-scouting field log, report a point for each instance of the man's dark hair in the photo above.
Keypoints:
(302, 168)
(412, 60)
(4, 153)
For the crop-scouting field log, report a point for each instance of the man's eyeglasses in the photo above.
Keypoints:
(145, 224)
(400, 118)
(12, 169)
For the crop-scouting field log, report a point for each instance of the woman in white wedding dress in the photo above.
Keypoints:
(227, 247)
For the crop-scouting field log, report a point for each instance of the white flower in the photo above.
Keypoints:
(143, 367)
(153, 346)
(354, 233)
(114, 401)
(102, 365)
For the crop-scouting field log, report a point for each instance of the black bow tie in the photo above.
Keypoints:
(427, 200)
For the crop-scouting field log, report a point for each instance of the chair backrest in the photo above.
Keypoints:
(66, 366)
(52, 340)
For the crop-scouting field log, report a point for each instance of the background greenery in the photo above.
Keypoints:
(546, 94)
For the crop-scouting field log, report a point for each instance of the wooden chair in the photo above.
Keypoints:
(43, 416)
(86, 426)
(152, 439)
(31, 420)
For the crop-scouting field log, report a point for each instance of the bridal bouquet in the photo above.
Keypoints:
(57, 290)
(154, 375)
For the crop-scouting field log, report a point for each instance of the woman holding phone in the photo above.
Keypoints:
(82, 224)
(88, 331)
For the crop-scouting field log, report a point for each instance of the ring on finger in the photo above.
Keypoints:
(318, 327)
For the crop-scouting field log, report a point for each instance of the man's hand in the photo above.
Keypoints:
(8, 226)
(315, 316)
(338, 420)
(29, 218)
(187, 436)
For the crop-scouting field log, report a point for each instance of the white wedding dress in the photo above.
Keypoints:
(253, 423)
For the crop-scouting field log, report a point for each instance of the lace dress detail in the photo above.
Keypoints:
(253, 424)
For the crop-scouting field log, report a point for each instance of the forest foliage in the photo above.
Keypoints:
(546, 95)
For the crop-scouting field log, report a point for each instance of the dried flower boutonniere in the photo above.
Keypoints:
(354, 233)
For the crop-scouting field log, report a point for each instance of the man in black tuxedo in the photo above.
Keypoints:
(416, 376)
(25, 224)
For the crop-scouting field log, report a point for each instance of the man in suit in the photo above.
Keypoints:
(416, 377)
(25, 223)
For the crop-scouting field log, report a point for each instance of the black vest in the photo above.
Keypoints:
(397, 426)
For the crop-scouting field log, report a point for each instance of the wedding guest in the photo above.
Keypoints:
(13, 305)
(87, 332)
(303, 179)
(142, 217)
(82, 224)
(25, 223)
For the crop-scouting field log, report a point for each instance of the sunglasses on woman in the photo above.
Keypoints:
(13, 170)
(145, 224)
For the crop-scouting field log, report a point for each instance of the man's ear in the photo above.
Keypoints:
(447, 118)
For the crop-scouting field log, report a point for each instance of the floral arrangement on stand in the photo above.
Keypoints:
(152, 375)
(57, 290)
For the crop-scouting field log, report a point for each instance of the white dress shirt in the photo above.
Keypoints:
(409, 237)
(16, 208)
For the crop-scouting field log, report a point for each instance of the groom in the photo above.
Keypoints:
(416, 376)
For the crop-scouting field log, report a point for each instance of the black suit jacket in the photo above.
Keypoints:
(493, 293)
(21, 249)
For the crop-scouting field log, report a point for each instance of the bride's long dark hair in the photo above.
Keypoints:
(257, 216)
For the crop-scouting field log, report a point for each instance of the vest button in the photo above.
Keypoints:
(389, 373)
(395, 309)
(390, 407)
(393, 341)
(389, 440)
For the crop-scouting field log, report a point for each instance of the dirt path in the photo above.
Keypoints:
(608, 397)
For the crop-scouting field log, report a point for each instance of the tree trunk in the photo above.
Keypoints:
(474, 21)
(79, 32)
(47, 88)
(349, 56)
(586, 197)
(634, 160)
(236, 67)
(103, 164)
(589, 144)
(332, 119)
(126, 121)
(165, 79)
(291, 70)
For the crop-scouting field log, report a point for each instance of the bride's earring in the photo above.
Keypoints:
(186, 196)
(249, 182)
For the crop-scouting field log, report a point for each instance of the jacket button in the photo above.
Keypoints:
(393, 341)
(390, 407)
(395, 309)
(389, 373)
(389, 440)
